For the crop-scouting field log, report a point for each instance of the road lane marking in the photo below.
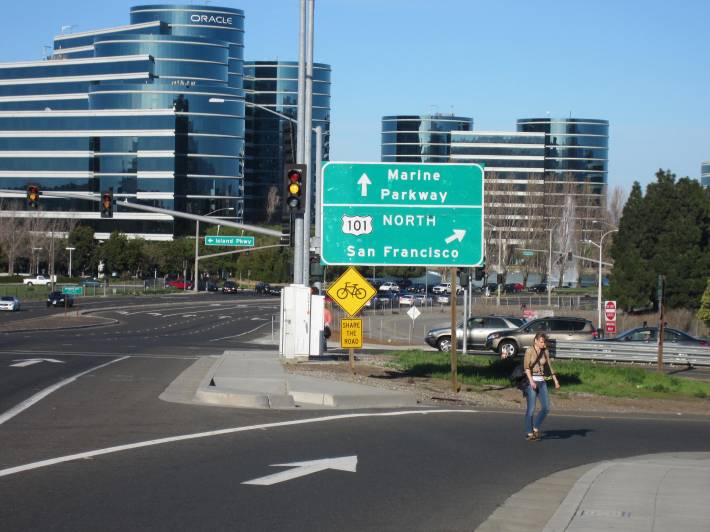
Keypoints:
(240, 334)
(24, 405)
(161, 441)
(23, 363)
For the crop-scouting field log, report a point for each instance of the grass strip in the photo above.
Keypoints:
(485, 371)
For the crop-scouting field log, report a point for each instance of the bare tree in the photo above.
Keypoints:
(615, 205)
(272, 202)
(11, 233)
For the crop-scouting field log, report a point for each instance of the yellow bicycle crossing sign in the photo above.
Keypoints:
(351, 291)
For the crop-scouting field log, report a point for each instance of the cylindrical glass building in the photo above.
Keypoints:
(420, 139)
(705, 174)
(270, 139)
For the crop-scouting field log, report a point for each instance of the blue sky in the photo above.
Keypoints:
(644, 65)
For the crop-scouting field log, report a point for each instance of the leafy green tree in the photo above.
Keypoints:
(135, 256)
(84, 256)
(666, 232)
(704, 310)
(113, 253)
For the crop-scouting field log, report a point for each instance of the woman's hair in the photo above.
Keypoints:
(540, 335)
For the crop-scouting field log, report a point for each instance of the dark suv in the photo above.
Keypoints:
(513, 341)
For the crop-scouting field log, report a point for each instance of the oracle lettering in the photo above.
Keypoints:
(210, 19)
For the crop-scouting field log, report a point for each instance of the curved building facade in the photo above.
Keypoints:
(153, 111)
(420, 139)
(705, 174)
(270, 139)
(576, 162)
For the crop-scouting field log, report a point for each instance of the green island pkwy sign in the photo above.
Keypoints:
(402, 214)
(72, 290)
(212, 240)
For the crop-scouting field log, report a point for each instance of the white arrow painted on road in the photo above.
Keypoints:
(344, 463)
(458, 235)
(363, 182)
(22, 363)
(189, 315)
(154, 314)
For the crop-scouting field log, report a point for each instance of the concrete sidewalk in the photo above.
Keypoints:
(257, 379)
(651, 493)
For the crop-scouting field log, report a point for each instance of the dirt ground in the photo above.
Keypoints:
(373, 371)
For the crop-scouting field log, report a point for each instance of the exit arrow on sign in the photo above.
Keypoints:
(301, 469)
(30, 361)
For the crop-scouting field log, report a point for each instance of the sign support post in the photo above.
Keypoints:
(454, 341)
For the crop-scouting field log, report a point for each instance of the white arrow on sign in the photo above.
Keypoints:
(22, 363)
(344, 463)
(363, 182)
(458, 235)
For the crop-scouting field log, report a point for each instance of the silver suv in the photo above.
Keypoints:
(478, 329)
(511, 342)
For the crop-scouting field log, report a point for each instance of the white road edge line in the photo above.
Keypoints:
(109, 450)
(240, 334)
(24, 405)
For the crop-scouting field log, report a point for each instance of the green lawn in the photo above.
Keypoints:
(480, 371)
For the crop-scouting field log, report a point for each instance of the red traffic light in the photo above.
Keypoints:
(33, 196)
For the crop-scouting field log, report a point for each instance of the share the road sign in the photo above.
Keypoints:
(213, 240)
(390, 214)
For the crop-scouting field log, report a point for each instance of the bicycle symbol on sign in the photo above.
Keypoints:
(351, 289)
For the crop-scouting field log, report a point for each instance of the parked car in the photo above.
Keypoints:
(414, 298)
(445, 288)
(478, 329)
(90, 282)
(649, 335)
(442, 299)
(490, 288)
(230, 287)
(404, 284)
(180, 284)
(511, 342)
(207, 285)
(58, 299)
(384, 299)
(512, 288)
(540, 288)
(10, 303)
(389, 285)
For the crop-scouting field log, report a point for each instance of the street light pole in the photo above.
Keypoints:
(197, 247)
(70, 250)
(500, 244)
(599, 280)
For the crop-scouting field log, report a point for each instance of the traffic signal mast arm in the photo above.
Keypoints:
(176, 214)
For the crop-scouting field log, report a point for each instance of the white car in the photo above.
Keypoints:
(443, 288)
(10, 303)
(389, 285)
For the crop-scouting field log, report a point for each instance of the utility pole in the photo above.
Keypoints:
(300, 142)
(307, 140)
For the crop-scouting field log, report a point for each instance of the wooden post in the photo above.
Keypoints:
(351, 351)
(454, 341)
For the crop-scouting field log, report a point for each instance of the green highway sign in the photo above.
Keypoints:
(402, 214)
(72, 290)
(528, 253)
(212, 240)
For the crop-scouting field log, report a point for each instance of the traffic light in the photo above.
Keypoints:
(107, 205)
(295, 188)
(32, 196)
(464, 277)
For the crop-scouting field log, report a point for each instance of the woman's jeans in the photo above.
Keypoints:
(532, 396)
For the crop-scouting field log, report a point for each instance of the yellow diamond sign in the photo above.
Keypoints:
(351, 291)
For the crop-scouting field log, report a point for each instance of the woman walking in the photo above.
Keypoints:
(538, 369)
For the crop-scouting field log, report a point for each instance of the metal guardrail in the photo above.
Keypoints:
(633, 352)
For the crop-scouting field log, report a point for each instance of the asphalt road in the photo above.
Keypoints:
(438, 471)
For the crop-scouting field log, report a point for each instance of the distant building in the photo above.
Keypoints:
(153, 111)
(576, 164)
(515, 170)
(705, 174)
(420, 139)
(271, 140)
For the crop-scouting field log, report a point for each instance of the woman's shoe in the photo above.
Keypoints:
(532, 437)
(536, 433)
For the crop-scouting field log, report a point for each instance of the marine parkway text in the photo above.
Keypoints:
(413, 195)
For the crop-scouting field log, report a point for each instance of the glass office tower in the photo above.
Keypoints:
(420, 139)
(705, 174)
(270, 139)
(514, 174)
(153, 111)
(576, 163)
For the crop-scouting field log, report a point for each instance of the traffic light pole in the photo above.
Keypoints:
(307, 138)
(300, 141)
